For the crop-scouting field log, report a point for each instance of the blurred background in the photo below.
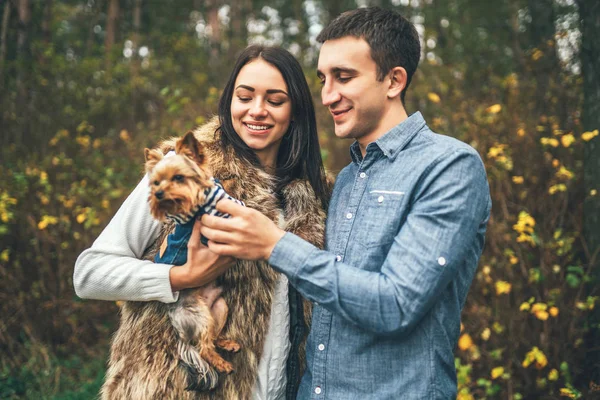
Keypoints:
(86, 85)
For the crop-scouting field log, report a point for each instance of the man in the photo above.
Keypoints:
(404, 234)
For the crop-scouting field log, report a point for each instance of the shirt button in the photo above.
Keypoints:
(441, 261)
(321, 347)
(318, 390)
(363, 175)
(380, 199)
(338, 258)
(349, 215)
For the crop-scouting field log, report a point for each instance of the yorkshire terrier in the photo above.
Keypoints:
(182, 189)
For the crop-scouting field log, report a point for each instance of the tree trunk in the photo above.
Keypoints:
(47, 22)
(589, 11)
(135, 58)
(23, 68)
(111, 28)
(212, 16)
(3, 36)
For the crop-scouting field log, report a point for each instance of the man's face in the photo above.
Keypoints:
(356, 99)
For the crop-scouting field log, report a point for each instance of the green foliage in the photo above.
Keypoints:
(75, 118)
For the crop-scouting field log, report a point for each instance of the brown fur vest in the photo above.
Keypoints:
(144, 362)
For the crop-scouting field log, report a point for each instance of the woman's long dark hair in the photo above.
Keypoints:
(299, 155)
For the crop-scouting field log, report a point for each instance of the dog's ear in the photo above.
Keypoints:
(191, 147)
(152, 158)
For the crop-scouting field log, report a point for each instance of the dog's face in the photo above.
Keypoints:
(177, 183)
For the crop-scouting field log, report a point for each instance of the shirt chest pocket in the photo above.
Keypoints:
(383, 211)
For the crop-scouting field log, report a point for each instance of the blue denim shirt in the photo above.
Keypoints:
(404, 234)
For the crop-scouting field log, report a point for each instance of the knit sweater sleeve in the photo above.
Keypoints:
(112, 269)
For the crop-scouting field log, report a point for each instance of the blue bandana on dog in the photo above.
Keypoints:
(176, 251)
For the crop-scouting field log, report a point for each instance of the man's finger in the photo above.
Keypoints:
(220, 249)
(230, 207)
(216, 235)
(219, 223)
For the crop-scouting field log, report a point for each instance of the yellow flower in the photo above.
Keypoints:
(124, 135)
(553, 375)
(541, 315)
(518, 180)
(564, 173)
(553, 311)
(502, 287)
(496, 372)
(433, 97)
(561, 187)
(465, 342)
(495, 109)
(47, 220)
(536, 355)
(549, 142)
(84, 141)
(587, 136)
(485, 335)
(5, 255)
(567, 140)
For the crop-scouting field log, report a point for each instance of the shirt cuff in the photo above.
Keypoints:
(156, 283)
(290, 254)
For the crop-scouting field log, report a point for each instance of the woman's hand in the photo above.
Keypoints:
(202, 266)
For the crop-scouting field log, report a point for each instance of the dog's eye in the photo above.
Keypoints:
(178, 178)
(156, 183)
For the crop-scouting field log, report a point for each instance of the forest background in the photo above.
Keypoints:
(86, 85)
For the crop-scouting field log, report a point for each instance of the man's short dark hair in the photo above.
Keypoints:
(394, 41)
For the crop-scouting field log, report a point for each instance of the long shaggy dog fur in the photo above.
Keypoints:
(144, 362)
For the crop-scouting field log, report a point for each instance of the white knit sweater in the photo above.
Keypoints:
(111, 269)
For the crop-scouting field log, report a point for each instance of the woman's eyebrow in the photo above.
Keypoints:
(269, 91)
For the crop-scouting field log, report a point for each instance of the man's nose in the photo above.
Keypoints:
(329, 95)
(160, 194)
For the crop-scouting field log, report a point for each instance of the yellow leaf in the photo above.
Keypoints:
(525, 306)
(539, 307)
(541, 315)
(555, 163)
(495, 109)
(485, 335)
(5, 255)
(553, 311)
(496, 372)
(518, 180)
(521, 132)
(587, 136)
(433, 97)
(549, 141)
(502, 287)
(565, 392)
(465, 342)
(567, 140)
(513, 260)
(553, 375)
(593, 192)
(81, 218)
(124, 135)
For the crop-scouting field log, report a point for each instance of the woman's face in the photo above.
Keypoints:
(261, 109)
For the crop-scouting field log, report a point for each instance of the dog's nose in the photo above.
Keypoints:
(160, 194)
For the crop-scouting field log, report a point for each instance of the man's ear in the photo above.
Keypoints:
(152, 158)
(190, 147)
(397, 82)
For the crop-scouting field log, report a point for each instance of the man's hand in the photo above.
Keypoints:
(248, 234)
(203, 266)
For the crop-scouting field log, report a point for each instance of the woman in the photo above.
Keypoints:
(264, 149)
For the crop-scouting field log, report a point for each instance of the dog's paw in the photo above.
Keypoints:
(228, 345)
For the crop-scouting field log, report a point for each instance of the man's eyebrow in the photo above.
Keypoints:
(337, 70)
(269, 91)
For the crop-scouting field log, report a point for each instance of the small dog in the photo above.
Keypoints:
(181, 189)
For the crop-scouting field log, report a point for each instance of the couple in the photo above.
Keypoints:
(405, 227)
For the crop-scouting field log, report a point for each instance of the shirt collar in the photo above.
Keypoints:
(392, 142)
